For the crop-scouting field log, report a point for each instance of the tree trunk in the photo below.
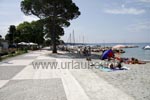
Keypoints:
(54, 45)
(53, 38)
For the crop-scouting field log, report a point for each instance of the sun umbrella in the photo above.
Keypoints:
(107, 54)
(22, 43)
(118, 46)
(31, 43)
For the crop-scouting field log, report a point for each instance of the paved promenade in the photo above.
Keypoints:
(19, 80)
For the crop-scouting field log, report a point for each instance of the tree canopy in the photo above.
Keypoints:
(55, 13)
(11, 34)
(26, 32)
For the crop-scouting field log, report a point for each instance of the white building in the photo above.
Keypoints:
(3, 44)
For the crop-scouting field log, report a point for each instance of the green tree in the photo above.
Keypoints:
(37, 32)
(11, 34)
(25, 31)
(56, 13)
(31, 32)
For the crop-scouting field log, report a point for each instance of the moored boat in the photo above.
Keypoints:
(146, 47)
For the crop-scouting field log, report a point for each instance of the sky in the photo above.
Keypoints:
(101, 21)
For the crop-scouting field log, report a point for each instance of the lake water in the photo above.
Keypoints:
(138, 52)
(132, 52)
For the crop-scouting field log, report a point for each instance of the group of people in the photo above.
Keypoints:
(113, 64)
(86, 51)
(119, 61)
(132, 61)
(110, 56)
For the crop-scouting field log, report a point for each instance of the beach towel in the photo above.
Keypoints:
(106, 69)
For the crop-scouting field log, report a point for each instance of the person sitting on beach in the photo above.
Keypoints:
(89, 51)
(118, 65)
(134, 61)
(115, 65)
(79, 50)
(111, 66)
(85, 51)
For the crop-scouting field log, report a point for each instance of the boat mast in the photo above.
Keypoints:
(73, 36)
(83, 39)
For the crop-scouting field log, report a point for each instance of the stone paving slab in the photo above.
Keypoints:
(32, 54)
(45, 57)
(51, 89)
(73, 90)
(97, 88)
(30, 73)
(7, 72)
(38, 52)
(3, 82)
(18, 62)
(25, 57)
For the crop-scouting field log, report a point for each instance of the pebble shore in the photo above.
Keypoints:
(135, 82)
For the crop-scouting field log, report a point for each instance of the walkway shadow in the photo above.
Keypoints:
(73, 56)
(5, 62)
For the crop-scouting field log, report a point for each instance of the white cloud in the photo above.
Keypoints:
(25, 18)
(29, 18)
(139, 27)
(146, 1)
(3, 30)
(124, 10)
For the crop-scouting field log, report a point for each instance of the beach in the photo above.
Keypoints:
(134, 82)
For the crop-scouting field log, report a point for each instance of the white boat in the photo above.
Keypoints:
(147, 47)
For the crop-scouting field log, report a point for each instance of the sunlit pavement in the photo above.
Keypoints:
(20, 81)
